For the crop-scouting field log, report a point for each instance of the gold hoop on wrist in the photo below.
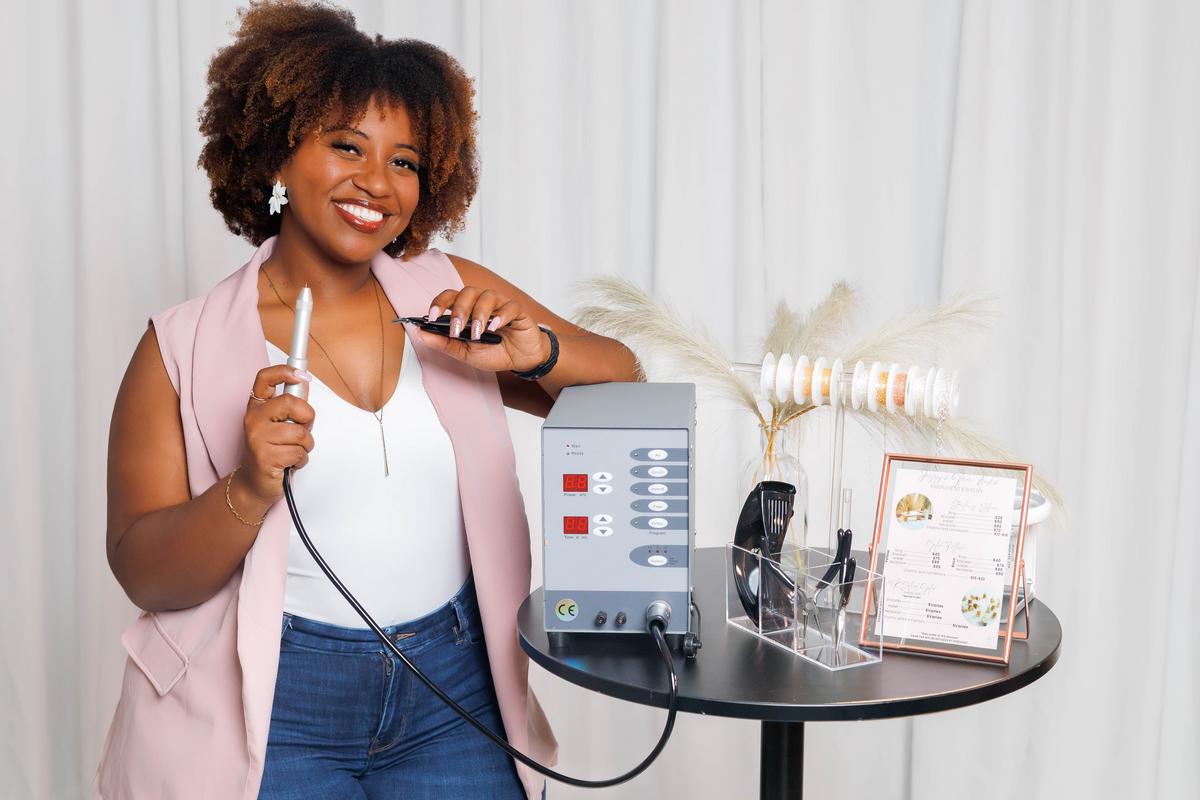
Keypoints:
(229, 502)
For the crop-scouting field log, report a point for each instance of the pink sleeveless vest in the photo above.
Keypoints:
(196, 697)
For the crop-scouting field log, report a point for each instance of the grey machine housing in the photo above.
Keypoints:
(627, 539)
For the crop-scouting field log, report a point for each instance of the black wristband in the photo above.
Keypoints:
(543, 369)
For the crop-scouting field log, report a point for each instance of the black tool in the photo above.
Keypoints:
(441, 326)
(838, 566)
(848, 579)
(846, 587)
(761, 529)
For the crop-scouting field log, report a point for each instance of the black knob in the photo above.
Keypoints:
(621, 618)
(601, 618)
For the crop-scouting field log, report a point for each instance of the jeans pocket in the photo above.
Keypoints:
(287, 623)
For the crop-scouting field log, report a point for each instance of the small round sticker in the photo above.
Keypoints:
(566, 610)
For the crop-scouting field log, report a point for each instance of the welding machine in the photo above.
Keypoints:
(618, 527)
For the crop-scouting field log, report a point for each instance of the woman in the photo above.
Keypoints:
(340, 156)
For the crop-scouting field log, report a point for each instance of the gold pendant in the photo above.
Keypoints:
(383, 439)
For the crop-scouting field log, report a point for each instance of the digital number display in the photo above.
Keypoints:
(575, 524)
(575, 483)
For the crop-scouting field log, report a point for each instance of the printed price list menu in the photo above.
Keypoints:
(946, 549)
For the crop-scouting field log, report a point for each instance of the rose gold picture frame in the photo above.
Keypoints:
(877, 554)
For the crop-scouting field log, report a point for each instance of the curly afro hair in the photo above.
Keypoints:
(299, 67)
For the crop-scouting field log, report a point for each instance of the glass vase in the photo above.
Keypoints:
(775, 462)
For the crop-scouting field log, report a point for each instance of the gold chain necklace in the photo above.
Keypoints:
(382, 361)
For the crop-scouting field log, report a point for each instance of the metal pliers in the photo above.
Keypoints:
(808, 608)
(808, 602)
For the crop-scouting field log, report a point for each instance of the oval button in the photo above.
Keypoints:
(602, 531)
(602, 476)
(602, 488)
(658, 522)
(656, 561)
(657, 472)
(602, 519)
(657, 455)
(657, 505)
(654, 488)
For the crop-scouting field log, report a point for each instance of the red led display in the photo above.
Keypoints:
(575, 483)
(575, 525)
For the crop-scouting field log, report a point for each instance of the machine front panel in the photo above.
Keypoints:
(608, 540)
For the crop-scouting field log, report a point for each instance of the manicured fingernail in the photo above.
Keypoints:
(476, 329)
(434, 312)
(302, 375)
(494, 324)
(456, 327)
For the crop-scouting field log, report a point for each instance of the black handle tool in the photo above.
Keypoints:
(441, 326)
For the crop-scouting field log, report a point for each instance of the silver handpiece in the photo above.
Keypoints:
(298, 357)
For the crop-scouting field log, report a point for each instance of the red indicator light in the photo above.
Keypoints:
(575, 483)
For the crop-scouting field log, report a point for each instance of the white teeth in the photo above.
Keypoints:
(365, 214)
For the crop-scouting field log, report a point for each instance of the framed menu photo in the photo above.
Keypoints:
(941, 542)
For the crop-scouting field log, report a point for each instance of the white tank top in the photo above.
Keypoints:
(397, 543)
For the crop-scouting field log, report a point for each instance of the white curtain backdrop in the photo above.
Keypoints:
(725, 155)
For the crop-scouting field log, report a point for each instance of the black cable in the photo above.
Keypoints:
(656, 629)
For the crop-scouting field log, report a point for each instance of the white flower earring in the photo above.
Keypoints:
(278, 198)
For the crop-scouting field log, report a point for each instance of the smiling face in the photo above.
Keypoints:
(352, 190)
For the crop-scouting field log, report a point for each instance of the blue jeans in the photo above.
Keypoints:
(350, 721)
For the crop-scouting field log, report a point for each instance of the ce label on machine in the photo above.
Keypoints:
(566, 609)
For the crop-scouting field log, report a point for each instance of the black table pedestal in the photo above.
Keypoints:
(781, 769)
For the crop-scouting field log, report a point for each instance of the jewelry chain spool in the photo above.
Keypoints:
(858, 386)
(914, 391)
(895, 388)
(934, 393)
(878, 387)
(802, 380)
(818, 393)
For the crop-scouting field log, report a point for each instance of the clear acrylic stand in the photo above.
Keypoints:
(787, 603)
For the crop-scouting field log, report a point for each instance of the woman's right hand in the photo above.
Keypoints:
(272, 443)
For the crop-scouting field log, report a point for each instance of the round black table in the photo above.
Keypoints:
(738, 675)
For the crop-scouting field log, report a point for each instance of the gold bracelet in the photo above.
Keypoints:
(229, 502)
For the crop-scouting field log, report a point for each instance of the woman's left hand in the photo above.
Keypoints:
(524, 345)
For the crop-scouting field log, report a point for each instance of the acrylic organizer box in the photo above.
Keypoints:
(790, 604)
